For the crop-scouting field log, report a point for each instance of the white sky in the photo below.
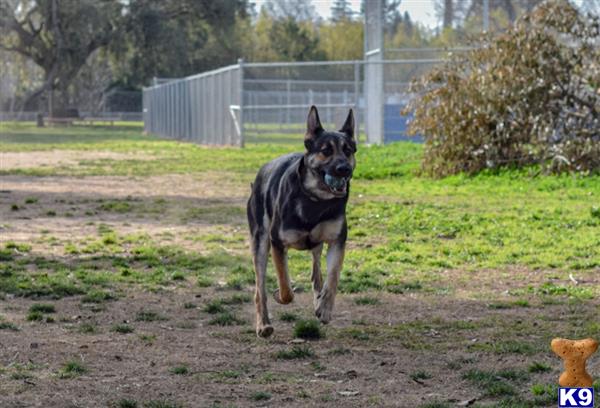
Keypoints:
(419, 10)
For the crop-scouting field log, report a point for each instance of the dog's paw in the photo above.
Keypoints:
(264, 331)
(283, 300)
(323, 311)
(323, 315)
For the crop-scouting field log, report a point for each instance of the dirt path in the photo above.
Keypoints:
(55, 158)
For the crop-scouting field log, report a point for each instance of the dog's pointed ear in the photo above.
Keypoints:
(348, 127)
(313, 127)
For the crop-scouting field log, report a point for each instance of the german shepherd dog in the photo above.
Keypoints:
(299, 201)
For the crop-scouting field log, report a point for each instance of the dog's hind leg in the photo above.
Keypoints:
(260, 254)
(326, 298)
(284, 294)
(317, 278)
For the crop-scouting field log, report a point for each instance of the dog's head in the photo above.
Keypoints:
(329, 157)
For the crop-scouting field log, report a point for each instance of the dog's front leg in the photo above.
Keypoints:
(284, 294)
(260, 254)
(326, 298)
(317, 278)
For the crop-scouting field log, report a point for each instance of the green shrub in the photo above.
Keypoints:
(71, 369)
(180, 370)
(308, 329)
(528, 96)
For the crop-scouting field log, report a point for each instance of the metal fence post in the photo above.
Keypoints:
(374, 73)
(288, 89)
(357, 97)
(241, 101)
(328, 110)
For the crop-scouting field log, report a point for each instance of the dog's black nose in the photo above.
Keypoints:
(343, 170)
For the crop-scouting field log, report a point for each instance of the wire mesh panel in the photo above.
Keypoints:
(203, 108)
(277, 97)
(407, 65)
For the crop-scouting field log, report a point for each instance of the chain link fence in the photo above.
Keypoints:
(277, 97)
(268, 102)
(204, 108)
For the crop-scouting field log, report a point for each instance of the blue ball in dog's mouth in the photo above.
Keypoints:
(336, 183)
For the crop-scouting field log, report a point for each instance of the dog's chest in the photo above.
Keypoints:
(326, 231)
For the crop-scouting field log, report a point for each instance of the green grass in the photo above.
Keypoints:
(420, 375)
(260, 396)
(225, 319)
(288, 317)
(127, 259)
(496, 383)
(308, 329)
(71, 369)
(125, 403)
(8, 326)
(19, 247)
(214, 306)
(237, 299)
(296, 352)
(180, 370)
(227, 375)
(148, 339)
(509, 305)
(366, 300)
(97, 296)
(162, 404)
(149, 316)
(116, 206)
(507, 347)
(34, 316)
(122, 328)
(357, 334)
(436, 404)
(537, 367)
(571, 291)
(42, 308)
(87, 328)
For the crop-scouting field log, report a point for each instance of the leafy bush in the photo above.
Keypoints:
(528, 96)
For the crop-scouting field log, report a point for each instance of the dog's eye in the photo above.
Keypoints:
(328, 151)
(347, 151)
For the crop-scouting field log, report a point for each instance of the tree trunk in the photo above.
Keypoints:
(448, 13)
(51, 102)
(50, 75)
(510, 10)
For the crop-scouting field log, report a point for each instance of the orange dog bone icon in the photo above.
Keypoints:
(574, 353)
